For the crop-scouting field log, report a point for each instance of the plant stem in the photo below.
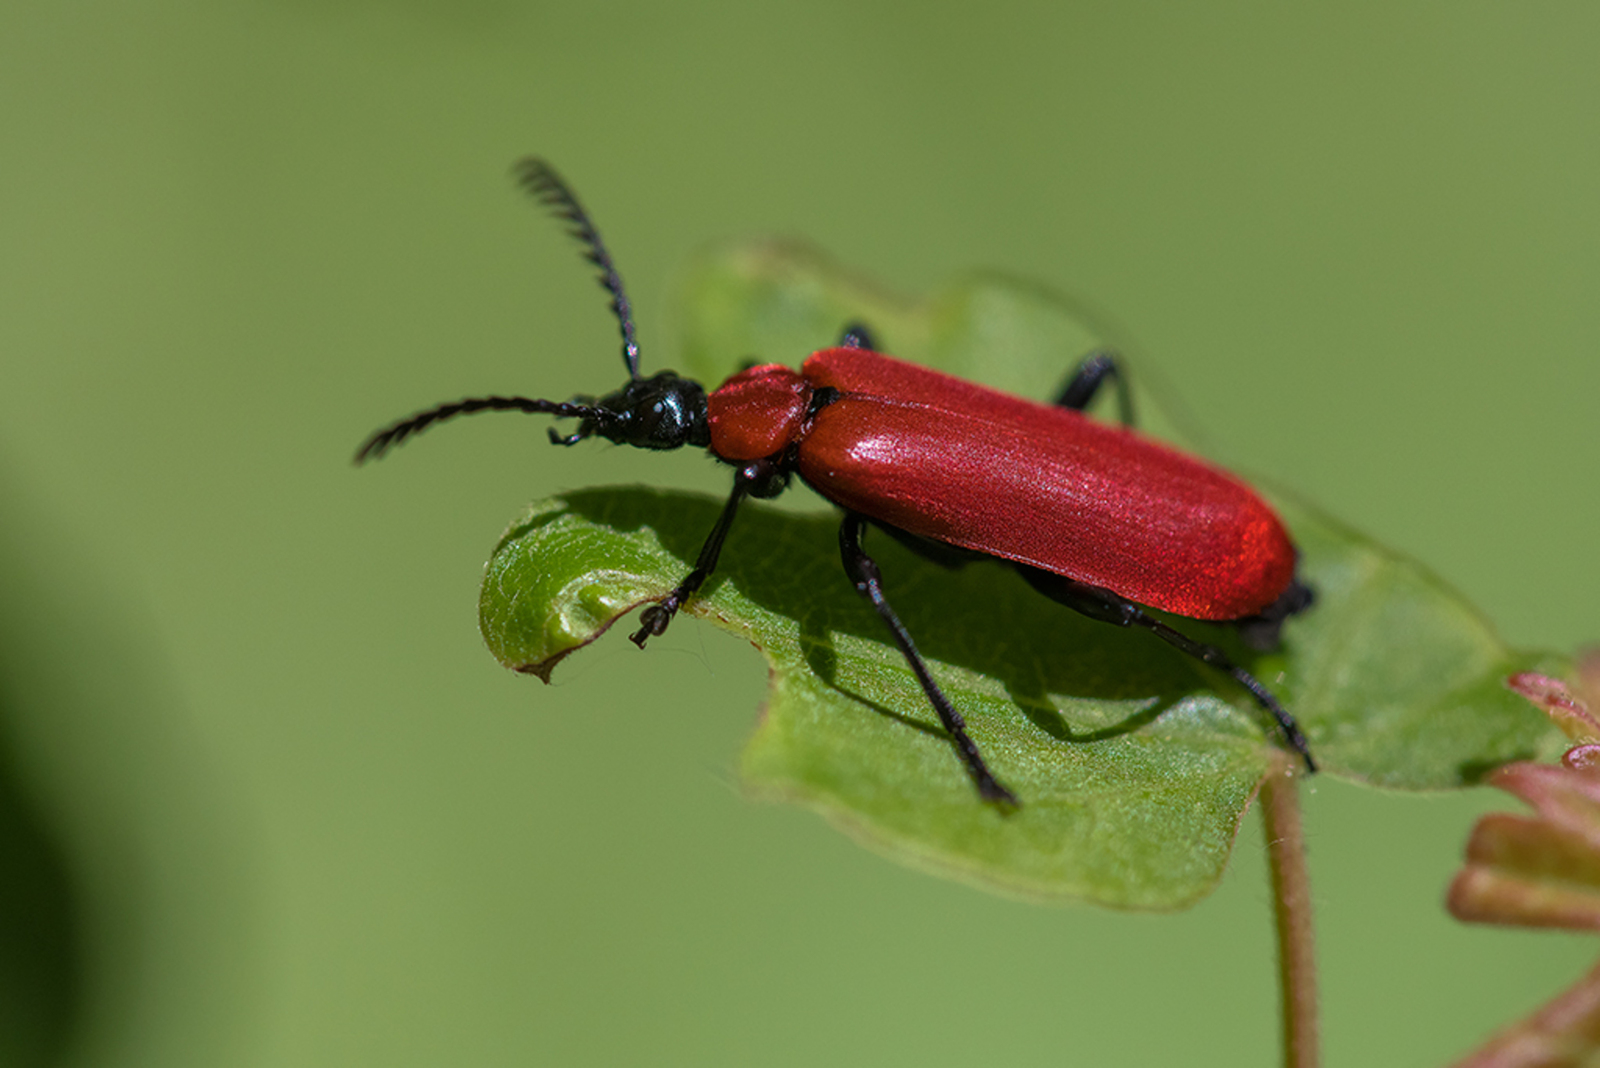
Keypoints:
(1291, 897)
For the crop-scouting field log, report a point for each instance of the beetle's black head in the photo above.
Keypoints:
(664, 411)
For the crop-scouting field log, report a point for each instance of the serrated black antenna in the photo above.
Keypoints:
(389, 437)
(539, 179)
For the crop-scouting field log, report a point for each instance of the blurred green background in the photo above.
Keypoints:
(264, 798)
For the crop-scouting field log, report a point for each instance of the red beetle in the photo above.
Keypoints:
(1093, 516)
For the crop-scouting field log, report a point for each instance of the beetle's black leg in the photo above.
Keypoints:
(856, 336)
(1087, 379)
(863, 572)
(653, 620)
(1261, 631)
(1102, 604)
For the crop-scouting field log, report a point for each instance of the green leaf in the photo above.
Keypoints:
(1134, 763)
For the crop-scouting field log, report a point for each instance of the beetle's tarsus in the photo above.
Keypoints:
(993, 792)
(653, 621)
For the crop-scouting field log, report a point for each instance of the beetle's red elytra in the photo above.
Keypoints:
(956, 462)
(1094, 516)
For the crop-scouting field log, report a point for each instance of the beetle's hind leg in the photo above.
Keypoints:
(1261, 631)
(1086, 381)
(868, 581)
(1102, 604)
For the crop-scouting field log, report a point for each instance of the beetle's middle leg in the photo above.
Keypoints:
(1102, 604)
(868, 581)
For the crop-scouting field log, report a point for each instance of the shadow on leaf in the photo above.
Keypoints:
(981, 617)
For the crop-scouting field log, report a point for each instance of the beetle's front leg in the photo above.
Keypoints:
(759, 478)
(1089, 377)
(868, 581)
(653, 620)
